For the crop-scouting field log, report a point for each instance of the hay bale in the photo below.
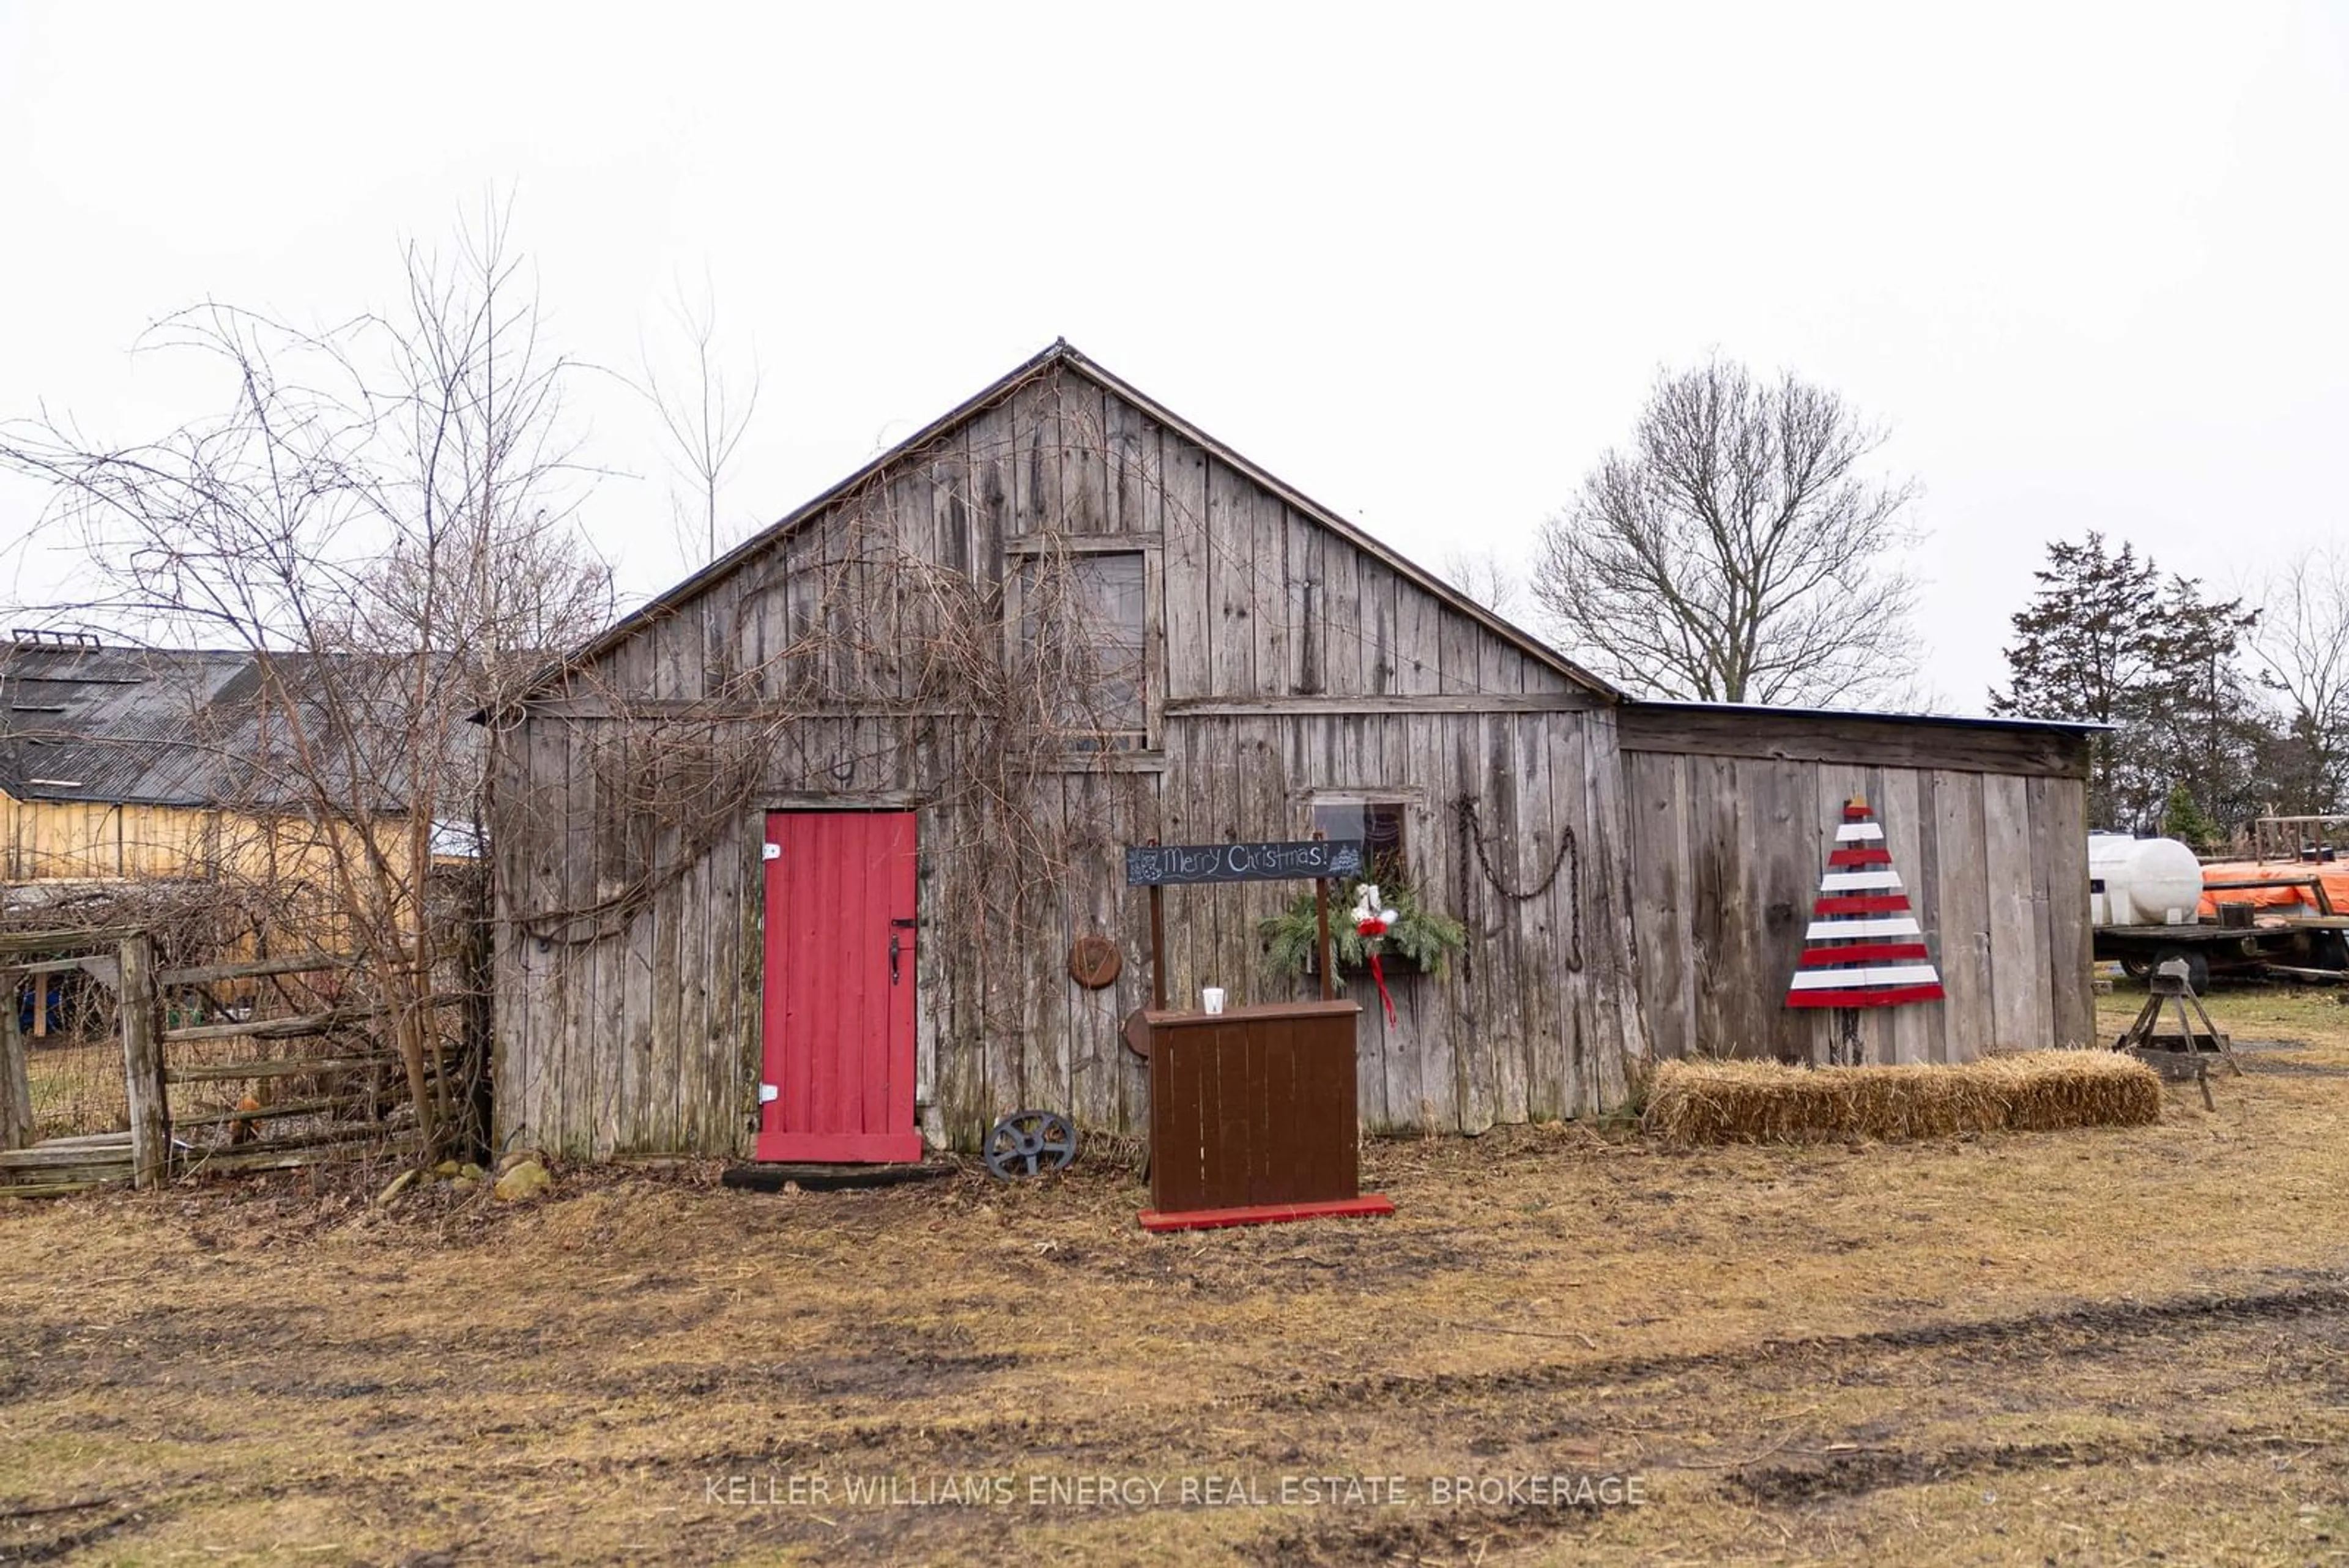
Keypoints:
(1766, 1101)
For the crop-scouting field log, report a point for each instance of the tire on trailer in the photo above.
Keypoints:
(2137, 966)
(2197, 966)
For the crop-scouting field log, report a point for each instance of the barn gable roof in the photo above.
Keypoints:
(1067, 357)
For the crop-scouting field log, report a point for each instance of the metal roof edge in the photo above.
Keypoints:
(1950, 721)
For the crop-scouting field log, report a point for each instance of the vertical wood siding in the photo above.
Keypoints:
(1726, 854)
(645, 1040)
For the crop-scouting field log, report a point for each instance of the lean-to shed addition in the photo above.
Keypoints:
(870, 775)
(1731, 812)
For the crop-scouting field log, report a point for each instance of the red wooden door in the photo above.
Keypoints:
(838, 1063)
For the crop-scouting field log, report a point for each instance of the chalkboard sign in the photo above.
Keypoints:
(1159, 864)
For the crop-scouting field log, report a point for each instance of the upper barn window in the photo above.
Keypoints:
(1084, 626)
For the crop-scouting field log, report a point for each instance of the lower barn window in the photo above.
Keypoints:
(1379, 824)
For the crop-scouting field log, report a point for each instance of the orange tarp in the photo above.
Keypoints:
(2276, 900)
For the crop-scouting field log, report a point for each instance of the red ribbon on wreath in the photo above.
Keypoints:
(1373, 920)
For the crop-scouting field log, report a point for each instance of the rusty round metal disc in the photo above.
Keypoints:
(1094, 961)
(1138, 1033)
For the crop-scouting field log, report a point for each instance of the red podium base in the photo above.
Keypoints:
(1368, 1204)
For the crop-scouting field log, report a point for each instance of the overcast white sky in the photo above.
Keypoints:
(2089, 262)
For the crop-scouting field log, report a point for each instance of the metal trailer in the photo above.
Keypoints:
(2292, 947)
(2299, 948)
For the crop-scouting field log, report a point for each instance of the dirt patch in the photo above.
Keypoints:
(2292, 1069)
(1856, 1474)
(1469, 1535)
(2105, 1330)
(46, 1532)
(2287, 1056)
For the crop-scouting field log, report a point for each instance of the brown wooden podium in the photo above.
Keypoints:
(1253, 1116)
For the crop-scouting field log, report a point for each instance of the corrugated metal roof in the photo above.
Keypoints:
(179, 727)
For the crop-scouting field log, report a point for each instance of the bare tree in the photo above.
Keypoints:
(1738, 550)
(702, 413)
(2300, 650)
(1488, 577)
(383, 513)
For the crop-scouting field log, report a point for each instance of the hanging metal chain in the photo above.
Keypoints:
(1568, 857)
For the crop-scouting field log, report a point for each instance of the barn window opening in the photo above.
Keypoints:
(1083, 629)
(1379, 824)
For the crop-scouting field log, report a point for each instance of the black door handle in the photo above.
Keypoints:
(893, 958)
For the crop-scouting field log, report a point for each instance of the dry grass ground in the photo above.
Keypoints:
(2109, 1345)
(77, 1088)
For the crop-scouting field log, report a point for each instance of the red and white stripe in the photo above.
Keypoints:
(1864, 946)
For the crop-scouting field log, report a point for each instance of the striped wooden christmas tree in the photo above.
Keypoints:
(1864, 947)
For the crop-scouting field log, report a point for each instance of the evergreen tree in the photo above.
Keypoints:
(2183, 820)
(2205, 729)
(2106, 640)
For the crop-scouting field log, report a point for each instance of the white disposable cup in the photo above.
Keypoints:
(1213, 996)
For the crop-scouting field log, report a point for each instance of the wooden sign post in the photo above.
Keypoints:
(1158, 865)
(1321, 937)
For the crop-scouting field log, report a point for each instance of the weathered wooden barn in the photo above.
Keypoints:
(129, 771)
(878, 764)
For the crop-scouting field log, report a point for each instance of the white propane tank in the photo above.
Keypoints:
(2142, 881)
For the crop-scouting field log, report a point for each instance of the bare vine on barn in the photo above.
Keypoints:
(893, 663)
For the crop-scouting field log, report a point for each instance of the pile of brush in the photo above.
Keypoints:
(1766, 1102)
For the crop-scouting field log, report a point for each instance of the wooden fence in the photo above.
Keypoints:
(219, 1073)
